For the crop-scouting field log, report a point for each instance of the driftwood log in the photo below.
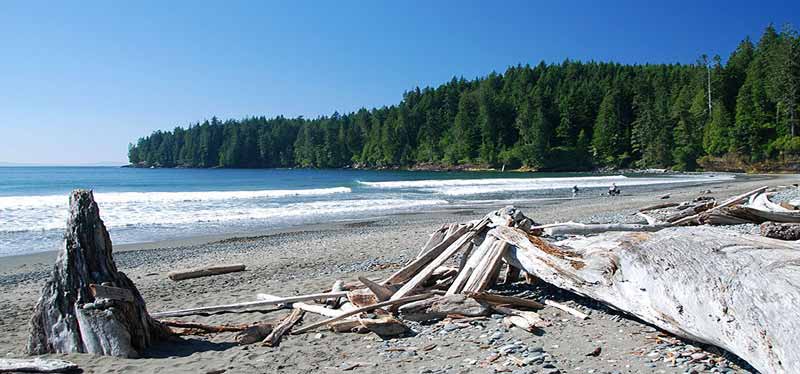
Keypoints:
(205, 272)
(87, 305)
(37, 365)
(738, 292)
(783, 231)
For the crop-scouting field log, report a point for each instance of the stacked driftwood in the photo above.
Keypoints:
(449, 278)
(779, 220)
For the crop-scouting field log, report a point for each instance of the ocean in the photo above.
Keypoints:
(146, 205)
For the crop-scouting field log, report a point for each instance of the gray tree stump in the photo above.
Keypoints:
(87, 305)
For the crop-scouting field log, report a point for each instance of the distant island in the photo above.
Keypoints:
(737, 115)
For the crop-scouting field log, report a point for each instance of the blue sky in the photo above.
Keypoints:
(79, 81)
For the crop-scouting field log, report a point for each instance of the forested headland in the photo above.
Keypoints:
(713, 114)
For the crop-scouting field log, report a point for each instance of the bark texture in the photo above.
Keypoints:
(68, 318)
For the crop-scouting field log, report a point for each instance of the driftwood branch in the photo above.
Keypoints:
(245, 305)
(36, 365)
(362, 310)
(274, 338)
(205, 272)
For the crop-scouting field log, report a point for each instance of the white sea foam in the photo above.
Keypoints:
(176, 213)
(34, 213)
(464, 187)
(26, 202)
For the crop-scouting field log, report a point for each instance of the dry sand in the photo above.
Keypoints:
(306, 260)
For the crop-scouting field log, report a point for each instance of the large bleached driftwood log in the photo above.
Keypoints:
(87, 305)
(739, 292)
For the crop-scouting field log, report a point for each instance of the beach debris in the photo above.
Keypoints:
(254, 333)
(658, 206)
(629, 267)
(334, 302)
(595, 352)
(573, 311)
(194, 327)
(205, 271)
(362, 310)
(36, 365)
(275, 336)
(783, 231)
(87, 305)
(249, 305)
(576, 228)
(385, 326)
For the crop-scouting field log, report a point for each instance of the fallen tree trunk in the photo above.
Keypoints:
(738, 292)
(205, 272)
(87, 305)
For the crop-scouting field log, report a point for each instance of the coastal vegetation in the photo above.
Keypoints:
(568, 116)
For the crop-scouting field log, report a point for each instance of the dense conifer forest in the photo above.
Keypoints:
(567, 116)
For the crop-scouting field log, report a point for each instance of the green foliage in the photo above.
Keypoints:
(568, 116)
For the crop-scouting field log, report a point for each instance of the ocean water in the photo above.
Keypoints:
(144, 205)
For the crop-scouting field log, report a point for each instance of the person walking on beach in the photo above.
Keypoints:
(575, 191)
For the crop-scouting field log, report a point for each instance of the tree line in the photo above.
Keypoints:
(568, 116)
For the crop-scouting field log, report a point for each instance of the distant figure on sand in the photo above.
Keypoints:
(613, 190)
(575, 191)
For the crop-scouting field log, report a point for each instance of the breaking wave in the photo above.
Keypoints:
(463, 187)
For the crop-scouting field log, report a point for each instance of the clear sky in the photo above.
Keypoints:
(81, 80)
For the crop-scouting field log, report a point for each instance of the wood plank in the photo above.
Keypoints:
(382, 292)
(486, 270)
(474, 259)
(573, 311)
(426, 272)
(311, 308)
(514, 301)
(364, 309)
(407, 272)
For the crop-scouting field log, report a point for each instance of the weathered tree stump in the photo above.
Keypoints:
(87, 305)
(783, 231)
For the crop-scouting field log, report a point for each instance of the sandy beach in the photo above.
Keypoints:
(306, 259)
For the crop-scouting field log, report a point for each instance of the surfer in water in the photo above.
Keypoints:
(575, 191)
